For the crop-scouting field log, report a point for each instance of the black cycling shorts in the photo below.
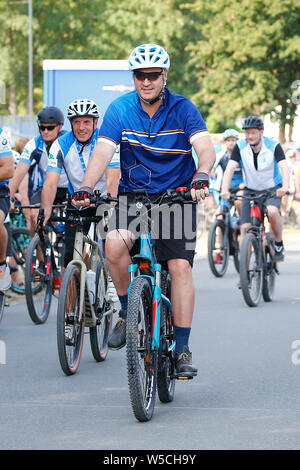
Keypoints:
(4, 201)
(60, 197)
(246, 209)
(174, 228)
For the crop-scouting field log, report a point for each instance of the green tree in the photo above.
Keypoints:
(14, 56)
(103, 29)
(249, 58)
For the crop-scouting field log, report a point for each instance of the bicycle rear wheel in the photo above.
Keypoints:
(70, 327)
(218, 249)
(38, 280)
(251, 274)
(99, 334)
(269, 276)
(141, 360)
(166, 357)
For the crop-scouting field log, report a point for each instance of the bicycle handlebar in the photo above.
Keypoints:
(261, 195)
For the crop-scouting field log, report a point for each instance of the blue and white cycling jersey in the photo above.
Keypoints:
(35, 154)
(72, 156)
(5, 150)
(155, 153)
(261, 172)
(222, 162)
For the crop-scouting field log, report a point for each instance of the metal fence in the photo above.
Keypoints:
(19, 126)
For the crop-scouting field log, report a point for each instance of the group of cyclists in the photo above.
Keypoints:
(145, 142)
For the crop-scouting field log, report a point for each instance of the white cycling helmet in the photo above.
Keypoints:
(83, 107)
(147, 56)
(230, 133)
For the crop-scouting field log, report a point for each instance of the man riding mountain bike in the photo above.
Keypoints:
(264, 165)
(156, 130)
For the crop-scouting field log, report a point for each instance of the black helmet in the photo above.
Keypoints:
(253, 122)
(50, 114)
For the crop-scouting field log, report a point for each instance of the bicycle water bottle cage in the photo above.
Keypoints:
(144, 264)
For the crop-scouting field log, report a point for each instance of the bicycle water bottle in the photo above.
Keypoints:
(91, 282)
(60, 227)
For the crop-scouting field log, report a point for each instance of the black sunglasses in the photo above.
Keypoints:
(49, 128)
(151, 76)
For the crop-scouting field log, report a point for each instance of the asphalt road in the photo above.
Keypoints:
(246, 395)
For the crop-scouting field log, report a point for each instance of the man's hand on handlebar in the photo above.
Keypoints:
(82, 197)
(280, 192)
(199, 186)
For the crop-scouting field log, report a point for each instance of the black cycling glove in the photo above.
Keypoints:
(83, 193)
(200, 180)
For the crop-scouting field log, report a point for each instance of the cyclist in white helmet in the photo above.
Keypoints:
(156, 130)
(72, 152)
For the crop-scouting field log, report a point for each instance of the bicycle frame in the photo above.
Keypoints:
(146, 261)
(80, 239)
(258, 228)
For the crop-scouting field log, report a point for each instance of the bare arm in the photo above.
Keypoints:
(49, 192)
(98, 163)
(206, 158)
(205, 152)
(112, 180)
(231, 166)
(6, 167)
(20, 172)
(285, 173)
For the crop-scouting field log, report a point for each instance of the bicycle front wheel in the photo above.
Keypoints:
(38, 280)
(141, 360)
(218, 249)
(70, 324)
(99, 334)
(2, 302)
(251, 273)
(20, 242)
(166, 358)
(269, 272)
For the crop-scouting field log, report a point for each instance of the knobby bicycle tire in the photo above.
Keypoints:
(269, 277)
(99, 334)
(214, 248)
(70, 329)
(166, 357)
(2, 303)
(39, 298)
(251, 275)
(141, 360)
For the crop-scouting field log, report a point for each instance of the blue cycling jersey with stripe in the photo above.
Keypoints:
(155, 153)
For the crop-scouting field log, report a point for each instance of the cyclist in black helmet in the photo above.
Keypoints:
(265, 167)
(34, 159)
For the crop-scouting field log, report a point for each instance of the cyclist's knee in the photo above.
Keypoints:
(272, 211)
(115, 248)
(179, 267)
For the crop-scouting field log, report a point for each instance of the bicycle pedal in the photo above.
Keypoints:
(183, 377)
(69, 342)
(70, 319)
